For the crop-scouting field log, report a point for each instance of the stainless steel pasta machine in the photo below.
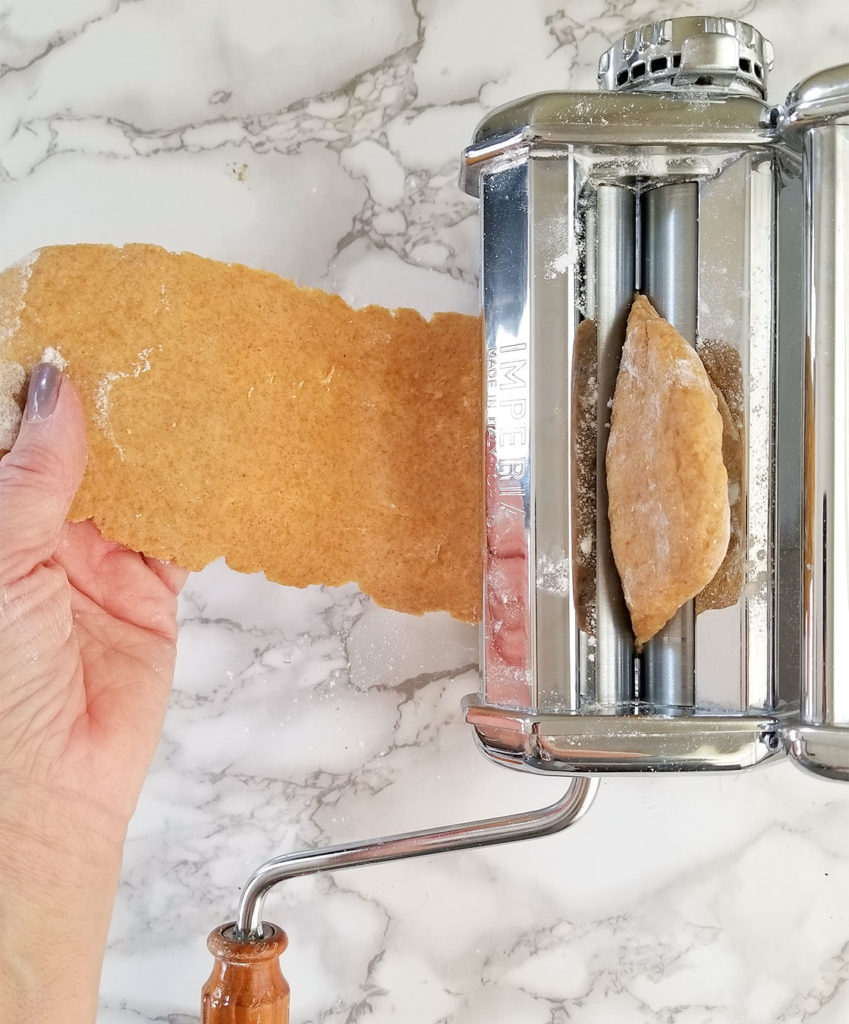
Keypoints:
(680, 180)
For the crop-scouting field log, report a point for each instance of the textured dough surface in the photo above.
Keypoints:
(724, 368)
(584, 458)
(667, 484)
(233, 413)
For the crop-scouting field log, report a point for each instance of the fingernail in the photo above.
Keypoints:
(43, 392)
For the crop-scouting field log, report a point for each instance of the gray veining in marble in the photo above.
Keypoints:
(319, 139)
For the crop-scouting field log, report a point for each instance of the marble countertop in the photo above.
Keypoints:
(319, 139)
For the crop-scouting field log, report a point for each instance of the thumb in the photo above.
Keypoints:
(40, 475)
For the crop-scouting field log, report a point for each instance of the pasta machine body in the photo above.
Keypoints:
(679, 180)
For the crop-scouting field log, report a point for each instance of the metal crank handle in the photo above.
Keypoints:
(247, 974)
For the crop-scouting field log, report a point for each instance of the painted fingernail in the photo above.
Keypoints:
(43, 392)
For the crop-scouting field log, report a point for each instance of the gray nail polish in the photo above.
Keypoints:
(43, 392)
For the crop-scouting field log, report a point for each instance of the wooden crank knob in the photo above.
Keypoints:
(246, 985)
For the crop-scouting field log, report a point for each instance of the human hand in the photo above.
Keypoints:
(87, 648)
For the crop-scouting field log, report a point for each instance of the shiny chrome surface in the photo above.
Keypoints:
(511, 828)
(696, 52)
(789, 370)
(821, 749)
(616, 744)
(819, 99)
(669, 277)
(736, 312)
(694, 195)
(825, 573)
(817, 122)
(535, 255)
(509, 625)
(615, 284)
(670, 253)
(688, 131)
(556, 229)
(560, 248)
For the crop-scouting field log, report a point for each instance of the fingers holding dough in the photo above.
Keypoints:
(667, 483)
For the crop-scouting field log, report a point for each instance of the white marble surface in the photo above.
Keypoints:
(319, 139)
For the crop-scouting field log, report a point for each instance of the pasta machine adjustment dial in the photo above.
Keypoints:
(705, 52)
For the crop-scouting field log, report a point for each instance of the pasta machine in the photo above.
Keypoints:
(677, 179)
